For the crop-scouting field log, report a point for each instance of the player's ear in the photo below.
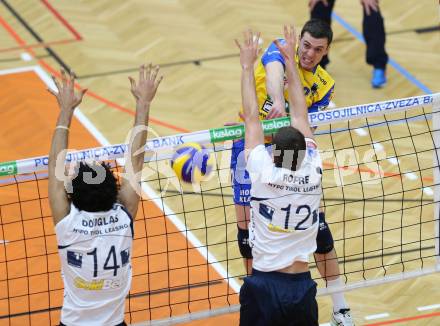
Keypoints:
(327, 49)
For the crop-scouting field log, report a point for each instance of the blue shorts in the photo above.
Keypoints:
(241, 183)
(274, 298)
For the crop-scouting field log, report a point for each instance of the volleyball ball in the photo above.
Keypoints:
(192, 162)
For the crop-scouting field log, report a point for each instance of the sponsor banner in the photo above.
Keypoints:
(226, 133)
(271, 126)
(217, 135)
(166, 142)
(237, 131)
(100, 153)
(359, 111)
(8, 168)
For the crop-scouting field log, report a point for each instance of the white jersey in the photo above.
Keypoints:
(95, 251)
(284, 209)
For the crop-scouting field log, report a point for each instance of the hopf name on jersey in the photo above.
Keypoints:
(99, 221)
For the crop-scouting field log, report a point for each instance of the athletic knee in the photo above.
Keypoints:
(324, 239)
(243, 243)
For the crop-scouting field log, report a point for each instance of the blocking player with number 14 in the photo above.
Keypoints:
(93, 217)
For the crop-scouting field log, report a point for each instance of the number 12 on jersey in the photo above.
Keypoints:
(285, 222)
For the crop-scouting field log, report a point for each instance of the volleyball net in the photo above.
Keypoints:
(380, 194)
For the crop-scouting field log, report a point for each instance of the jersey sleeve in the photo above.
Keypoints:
(272, 54)
(323, 103)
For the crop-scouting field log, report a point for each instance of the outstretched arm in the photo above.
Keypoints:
(67, 100)
(299, 114)
(275, 89)
(273, 63)
(144, 92)
(248, 55)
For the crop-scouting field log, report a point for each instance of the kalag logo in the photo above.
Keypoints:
(227, 133)
(8, 168)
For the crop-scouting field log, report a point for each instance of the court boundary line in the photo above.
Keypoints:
(38, 45)
(404, 72)
(34, 34)
(63, 21)
(401, 320)
(95, 96)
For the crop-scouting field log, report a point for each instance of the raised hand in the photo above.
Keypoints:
(249, 49)
(370, 5)
(313, 3)
(288, 47)
(148, 83)
(66, 97)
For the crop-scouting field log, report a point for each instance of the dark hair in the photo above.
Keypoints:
(318, 28)
(289, 139)
(88, 193)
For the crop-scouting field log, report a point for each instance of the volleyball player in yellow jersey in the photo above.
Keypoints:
(270, 81)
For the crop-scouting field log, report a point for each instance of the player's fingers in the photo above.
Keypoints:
(367, 9)
(71, 81)
(63, 77)
(293, 31)
(154, 72)
(249, 37)
(141, 73)
(83, 92)
(156, 85)
(148, 71)
(256, 38)
(80, 96)
(293, 34)
(52, 92)
(325, 2)
(237, 43)
(132, 83)
(245, 38)
(71, 77)
(57, 83)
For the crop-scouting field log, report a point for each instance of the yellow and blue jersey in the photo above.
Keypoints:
(318, 90)
(318, 84)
